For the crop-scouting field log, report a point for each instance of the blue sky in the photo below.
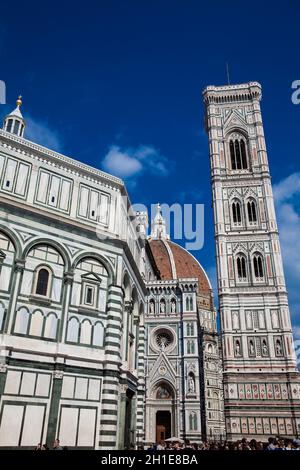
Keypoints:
(117, 84)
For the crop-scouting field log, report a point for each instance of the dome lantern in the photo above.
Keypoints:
(158, 227)
(14, 122)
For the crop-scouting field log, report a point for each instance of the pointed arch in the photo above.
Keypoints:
(241, 267)
(237, 145)
(236, 211)
(251, 211)
(258, 265)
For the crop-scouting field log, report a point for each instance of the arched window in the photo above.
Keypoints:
(86, 332)
(241, 267)
(36, 323)
(22, 320)
(258, 266)
(252, 213)
(73, 330)
(98, 332)
(238, 154)
(51, 326)
(236, 213)
(42, 285)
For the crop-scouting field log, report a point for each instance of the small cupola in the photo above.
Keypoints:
(14, 122)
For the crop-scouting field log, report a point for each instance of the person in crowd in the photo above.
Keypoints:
(56, 445)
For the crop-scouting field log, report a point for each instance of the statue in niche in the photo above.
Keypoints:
(162, 307)
(278, 348)
(191, 385)
(151, 307)
(251, 348)
(237, 348)
(235, 321)
(173, 306)
(264, 349)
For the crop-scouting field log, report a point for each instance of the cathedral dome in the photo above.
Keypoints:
(175, 262)
(172, 260)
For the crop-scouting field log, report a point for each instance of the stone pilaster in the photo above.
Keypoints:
(109, 412)
(57, 381)
(18, 270)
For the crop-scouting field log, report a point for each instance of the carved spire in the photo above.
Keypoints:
(158, 228)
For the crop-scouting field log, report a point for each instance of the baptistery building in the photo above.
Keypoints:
(109, 334)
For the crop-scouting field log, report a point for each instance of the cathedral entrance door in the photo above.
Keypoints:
(163, 425)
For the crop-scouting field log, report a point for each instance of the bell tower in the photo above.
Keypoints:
(261, 381)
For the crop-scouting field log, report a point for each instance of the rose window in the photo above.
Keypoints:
(163, 339)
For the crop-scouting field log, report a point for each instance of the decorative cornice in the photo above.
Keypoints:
(232, 93)
(55, 159)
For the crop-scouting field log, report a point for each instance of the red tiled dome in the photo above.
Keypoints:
(175, 262)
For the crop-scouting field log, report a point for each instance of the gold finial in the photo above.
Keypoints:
(19, 101)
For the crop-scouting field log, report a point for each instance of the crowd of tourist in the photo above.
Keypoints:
(273, 443)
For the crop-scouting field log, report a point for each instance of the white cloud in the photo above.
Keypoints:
(121, 163)
(287, 188)
(287, 200)
(132, 162)
(40, 133)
